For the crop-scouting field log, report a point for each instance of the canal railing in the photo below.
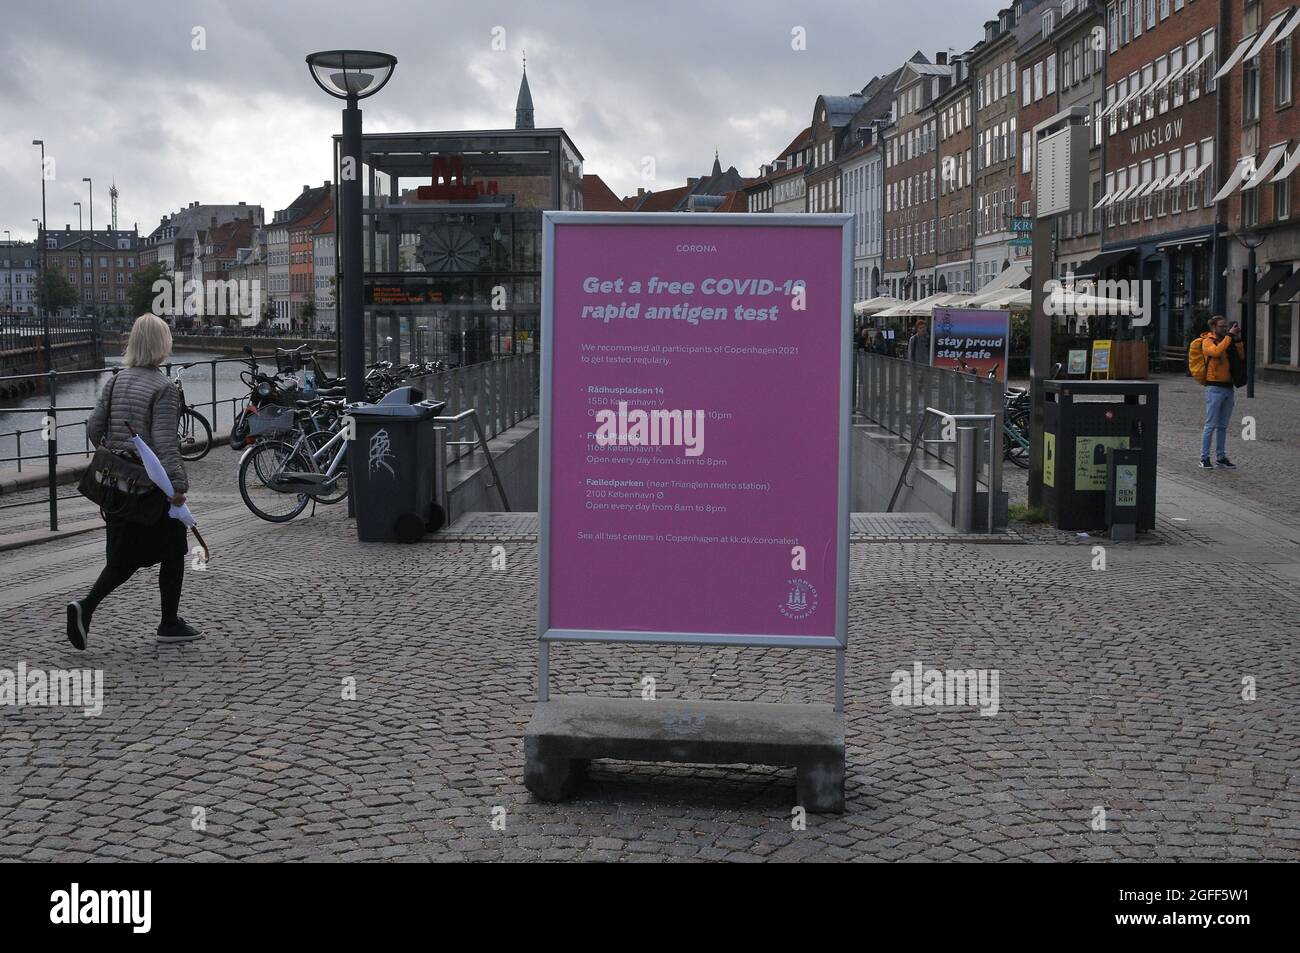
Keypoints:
(501, 393)
(27, 332)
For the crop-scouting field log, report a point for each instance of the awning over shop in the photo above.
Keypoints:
(1184, 243)
(1013, 299)
(1245, 166)
(1288, 291)
(1270, 162)
(1016, 275)
(925, 307)
(1290, 28)
(1289, 166)
(1107, 259)
(1271, 280)
(1120, 103)
(1273, 26)
(876, 305)
(1226, 66)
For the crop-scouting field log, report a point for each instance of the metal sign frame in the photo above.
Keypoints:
(698, 222)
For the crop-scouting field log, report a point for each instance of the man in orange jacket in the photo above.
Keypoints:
(1222, 347)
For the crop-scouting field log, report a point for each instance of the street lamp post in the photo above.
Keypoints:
(52, 445)
(78, 205)
(94, 290)
(351, 75)
(1251, 242)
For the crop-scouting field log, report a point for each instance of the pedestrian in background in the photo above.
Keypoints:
(143, 397)
(1217, 359)
(918, 345)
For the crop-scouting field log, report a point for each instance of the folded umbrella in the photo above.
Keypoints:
(153, 466)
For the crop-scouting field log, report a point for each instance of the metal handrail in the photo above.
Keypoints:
(922, 420)
(442, 443)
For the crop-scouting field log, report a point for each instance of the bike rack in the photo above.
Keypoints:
(992, 425)
(441, 443)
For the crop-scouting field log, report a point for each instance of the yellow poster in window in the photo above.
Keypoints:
(1049, 459)
(1090, 461)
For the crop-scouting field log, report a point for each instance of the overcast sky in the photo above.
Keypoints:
(118, 92)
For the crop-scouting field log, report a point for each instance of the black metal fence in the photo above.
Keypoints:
(21, 331)
(50, 428)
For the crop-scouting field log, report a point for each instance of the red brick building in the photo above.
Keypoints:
(1261, 163)
(995, 78)
(911, 148)
(1161, 167)
(302, 266)
(954, 256)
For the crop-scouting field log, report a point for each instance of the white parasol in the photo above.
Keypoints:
(153, 466)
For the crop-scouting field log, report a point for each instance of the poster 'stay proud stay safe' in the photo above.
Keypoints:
(694, 483)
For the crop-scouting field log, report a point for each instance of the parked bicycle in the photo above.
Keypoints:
(193, 431)
(279, 476)
(1015, 427)
(264, 390)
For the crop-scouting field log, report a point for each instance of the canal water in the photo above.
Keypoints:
(84, 391)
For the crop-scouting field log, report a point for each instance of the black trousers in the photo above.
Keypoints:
(171, 574)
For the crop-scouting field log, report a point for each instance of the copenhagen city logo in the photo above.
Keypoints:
(800, 601)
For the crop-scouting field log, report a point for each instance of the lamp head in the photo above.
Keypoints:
(351, 74)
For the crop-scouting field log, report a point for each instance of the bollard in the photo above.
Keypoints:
(965, 465)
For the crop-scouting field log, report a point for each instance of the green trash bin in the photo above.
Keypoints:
(1081, 421)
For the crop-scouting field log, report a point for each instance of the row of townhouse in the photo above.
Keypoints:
(283, 270)
(1194, 150)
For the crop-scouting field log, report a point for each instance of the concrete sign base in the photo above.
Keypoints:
(566, 733)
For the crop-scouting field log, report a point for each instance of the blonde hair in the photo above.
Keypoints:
(150, 342)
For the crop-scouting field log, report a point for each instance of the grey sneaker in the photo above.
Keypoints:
(78, 626)
(177, 632)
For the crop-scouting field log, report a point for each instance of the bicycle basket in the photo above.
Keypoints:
(271, 419)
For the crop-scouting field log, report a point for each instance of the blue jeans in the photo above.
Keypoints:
(1218, 414)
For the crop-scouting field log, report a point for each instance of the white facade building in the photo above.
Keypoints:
(18, 277)
(863, 187)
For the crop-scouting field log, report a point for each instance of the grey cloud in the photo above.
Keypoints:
(102, 84)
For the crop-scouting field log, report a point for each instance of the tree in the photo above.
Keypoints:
(55, 292)
(140, 295)
(308, 315)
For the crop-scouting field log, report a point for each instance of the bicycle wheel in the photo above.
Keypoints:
(1015, 439)
(194, 434)
(340, 492)
(256, 472)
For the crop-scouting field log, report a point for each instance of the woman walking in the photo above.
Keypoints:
(142, 397)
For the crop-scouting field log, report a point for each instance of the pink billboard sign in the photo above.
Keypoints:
(695, 412)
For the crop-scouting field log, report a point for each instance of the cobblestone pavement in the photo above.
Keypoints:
(1118, 690)
(1268, 464)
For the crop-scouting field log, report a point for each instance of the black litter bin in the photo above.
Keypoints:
(391, 468)
(1081, 421)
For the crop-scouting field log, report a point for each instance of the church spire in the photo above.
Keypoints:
(717, 166)
(524, 104)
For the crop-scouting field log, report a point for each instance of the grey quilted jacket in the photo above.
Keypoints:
(146, 397)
